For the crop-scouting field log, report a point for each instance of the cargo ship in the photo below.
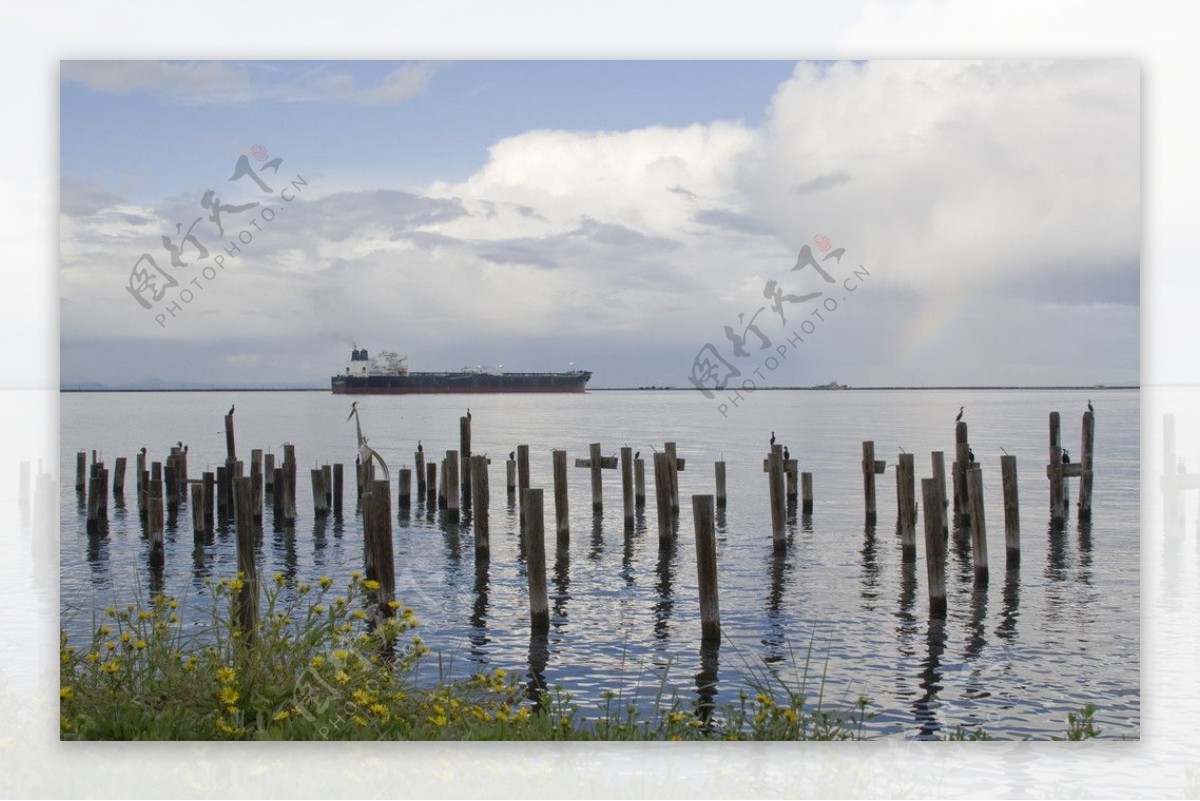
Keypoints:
(388, 374)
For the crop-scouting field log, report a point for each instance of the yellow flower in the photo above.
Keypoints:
(236, 585)
(140, 644)
(65, 692)
(319, 609)
(104, 631)
(225, 727)
(93, 657)
(126, 637)
(229, 695)
(359, 614)
(324, 581)
(379, 709)
(111, 611)
(355, 575)
(360, 720)
(144, 615)
(438, 720)
(226, 674)
(317, 661)
(524, 713)
(340, 654)
(790, 715)
(278, 579)
(371, 584)
(281, 715)
(341, 677)
(361, 697)
(340, 601)
(173, 603)
(111, 644)
(111, 666)
(174, 618)
(303, 589)
(393, 604)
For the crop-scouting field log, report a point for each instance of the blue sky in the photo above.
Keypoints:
(635, 218)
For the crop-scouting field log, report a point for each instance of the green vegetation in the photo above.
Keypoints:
(315, 667)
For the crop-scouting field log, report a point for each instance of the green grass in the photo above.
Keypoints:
(318, 667)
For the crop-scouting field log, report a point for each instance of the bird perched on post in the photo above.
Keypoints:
(231, 410)
(637, 455)
(786, 456)
(419, 448)
(772, 437)
(468, 412)
(960, 414)
(512, 456)
(970, 456)
(1066, 456)
(1090, 409)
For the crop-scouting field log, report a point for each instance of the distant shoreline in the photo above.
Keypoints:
(615, 389)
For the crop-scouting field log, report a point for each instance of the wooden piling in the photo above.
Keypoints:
(431, 485)
(453, 491)
(198, 528)
(1085, 460)
(790, 471)
(639, 483)
(627, 485)
(510, 477)
(318, 492)
(102, 475)
(978, 529)
(139, 463)
(230, 450)
(479, 506)
(868, 471)
(522, 476)
(777, 499)
(81, 474)
(247, 604)
(169, 485)
(382, 560)
(962, 460)
(210, 497)
(404, 499)
(338, 479)
(662, 496)
(1054, 471)
(938, 463)
(562, 515)
(595, 459)
(806, 493)
(92, 495)
(1012, 516)
(222, 493)
(277, 493)
(673, 465)
(533, 534)
(419, 467)
(935, 546)
(119, 477)
(269, 471)
(906, 506)
(703, 507)
(154, 523)
(256, 484)
(719, 469)
(464, 451)
(289, 483)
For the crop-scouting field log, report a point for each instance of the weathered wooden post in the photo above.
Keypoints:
(719, 470)
(453, 492)
(279, 490)
(978, 529)
(906, 504)
(1054, 471)
(431, 485)
(154, 523)
(198, 505)
(230, 450)
(790, 471)
(1012, 514)
(405, 496)
(102, 475)
(210, 499)
(533, 534)
(639, 483)
(139, 464)
(510, 477)
(627, 485)
(318, 493)
(1085, 461)
(222, 493)
(562, 515)
(935, 546)
(181, 473)
(703, 507)
(119, 477)
(522, 476)
(868, 471)
(441, 499)
(93, 499)
(247, 605)
(596, 462)
(775, 483)
(269, 472)
(383, 562)
(327, 482)
(419, 466)
(289, 483)
(806, 493)
(962, 460)
(464, 450)
(256, 482)
(673, 461)
(479, 506)
(938, 462)
(662, 496)
(338, 480)
(81, 473)
(169, 485)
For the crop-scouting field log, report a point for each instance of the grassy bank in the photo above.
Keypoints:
(316, 667)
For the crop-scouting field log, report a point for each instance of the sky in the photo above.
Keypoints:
(668, 223)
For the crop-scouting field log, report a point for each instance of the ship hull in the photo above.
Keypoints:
(464, 383)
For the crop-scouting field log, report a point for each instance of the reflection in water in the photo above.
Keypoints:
(776, 637)
(925, 707)
(1085, 552)
(1056, 553)
(976, 640)
(706, 682)
(627, 558)
(284, 545)
(961, 547)
(539, 655)
(870, 571)
(597, 537)
(479, 611)
(662, 606)
(908, 596)
(1007, 630)
(562, 584)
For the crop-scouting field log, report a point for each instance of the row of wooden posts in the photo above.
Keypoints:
(161, 483)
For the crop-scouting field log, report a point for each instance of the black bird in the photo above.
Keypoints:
(772, 437)
(1066, 456)
(785, 453)
(179, 444)
(419, 448)
(512, 456)
(231, 409)
(960, 413)
(468, 412)
(971, 455)
(637, 455)
(185, 447)
(1090, 409)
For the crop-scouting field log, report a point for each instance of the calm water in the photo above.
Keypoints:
(1016, 657)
